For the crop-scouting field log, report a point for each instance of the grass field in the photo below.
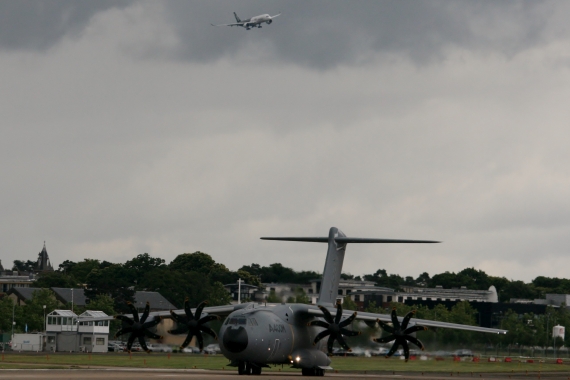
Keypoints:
(341, 364)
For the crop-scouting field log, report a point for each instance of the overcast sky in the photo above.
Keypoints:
(136, 126)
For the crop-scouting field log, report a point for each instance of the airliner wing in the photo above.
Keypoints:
(235, 24)
(372, 317)
(278, 14)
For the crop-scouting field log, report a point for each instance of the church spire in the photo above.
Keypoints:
(43, 264)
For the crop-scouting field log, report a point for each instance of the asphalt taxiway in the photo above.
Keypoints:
(128, 374)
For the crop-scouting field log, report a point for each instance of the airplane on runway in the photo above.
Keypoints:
(253, 22)
(254, 335)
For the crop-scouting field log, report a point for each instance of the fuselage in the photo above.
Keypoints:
(276, 334)
(260, 19)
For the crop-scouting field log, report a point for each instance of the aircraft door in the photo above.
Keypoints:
(275, 348)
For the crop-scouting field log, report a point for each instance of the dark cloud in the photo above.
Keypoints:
(38, 25)
(325, 34)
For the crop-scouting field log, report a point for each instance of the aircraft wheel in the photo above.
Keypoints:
(241, 368)
(308, 371)
(255, 370)
(248, 368)
(320, 372)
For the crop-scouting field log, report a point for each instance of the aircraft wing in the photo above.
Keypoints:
(372, 317)
(234, 24)
(213, 310)
(278, 14)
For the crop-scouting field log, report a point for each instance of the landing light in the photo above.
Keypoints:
(298, 358)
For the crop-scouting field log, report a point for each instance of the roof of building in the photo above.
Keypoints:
(93, 314)
(63, 313)
(66, 295)
(24, 292)
(155, 299)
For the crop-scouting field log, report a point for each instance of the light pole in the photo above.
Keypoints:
(239, 290)
(13, 323)
(72, 300)
(44, 318)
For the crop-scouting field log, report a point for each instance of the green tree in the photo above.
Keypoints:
(301, 296)
(112, 281)
(102, 302)
(219, 295)
(195, 262)
(272, 297)
(33, 310)
(6, 305)
(349, 304)
(24, 266)
(55, 280)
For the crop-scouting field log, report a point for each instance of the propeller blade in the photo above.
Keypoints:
(385, 326)
(330, 343)
(133, 311)
(187, 340)
(187, 308)
(342, 342)
(209, 331)
(395, 321)
(413, 329)
(199, 309)
(349, 332)
(407, 319)
(393, 349)
(338, 315)
(348, 320)
(143, 344)
(416, 341)
(130, 342)
(406, 349)
(321, 335)
(127, 320)
(145, 312)
(326, 314)
(319, 323)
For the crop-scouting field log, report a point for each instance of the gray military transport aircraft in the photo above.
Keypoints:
(253, 22)
(254, 335)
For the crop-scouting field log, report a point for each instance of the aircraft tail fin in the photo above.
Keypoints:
(237, 18)
(337, 242)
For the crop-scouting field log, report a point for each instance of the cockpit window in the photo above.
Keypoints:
(237, 321)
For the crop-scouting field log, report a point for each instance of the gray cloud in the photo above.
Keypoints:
(38, 25)
(151, 131)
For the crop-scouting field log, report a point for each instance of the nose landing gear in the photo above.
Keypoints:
(247, 368)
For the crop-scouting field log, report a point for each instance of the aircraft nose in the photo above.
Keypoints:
(235, 340)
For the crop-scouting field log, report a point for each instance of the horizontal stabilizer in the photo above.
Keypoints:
(344, 240)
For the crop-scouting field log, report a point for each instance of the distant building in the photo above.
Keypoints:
(67, 296)
(155, 299)
(43, 264)
(248, 292)
(65, 332)
(13, 279)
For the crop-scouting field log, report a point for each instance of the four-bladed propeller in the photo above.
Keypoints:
(400, 334)
(193, 324)
(138, 328)
(335, 328)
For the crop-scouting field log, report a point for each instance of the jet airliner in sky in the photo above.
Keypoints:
(254, 22)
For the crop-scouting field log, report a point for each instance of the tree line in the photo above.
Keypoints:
(200, 278)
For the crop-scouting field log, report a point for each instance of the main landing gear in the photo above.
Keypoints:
(247, 368)
(313, 372)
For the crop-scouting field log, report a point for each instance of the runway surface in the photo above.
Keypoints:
(127, 374)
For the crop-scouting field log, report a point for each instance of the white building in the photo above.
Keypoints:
(66, 332)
